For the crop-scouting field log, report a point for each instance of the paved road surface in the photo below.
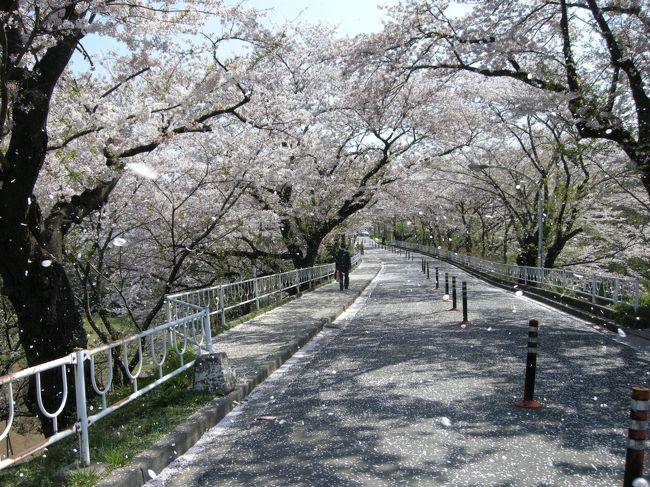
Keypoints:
(398, 392)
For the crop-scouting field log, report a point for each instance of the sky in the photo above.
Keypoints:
(351, 16)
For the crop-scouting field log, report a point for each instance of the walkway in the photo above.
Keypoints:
(398, 392)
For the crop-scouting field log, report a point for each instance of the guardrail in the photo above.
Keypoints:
(129, 355)
(142, 358)
(226, 297)
(595, 288)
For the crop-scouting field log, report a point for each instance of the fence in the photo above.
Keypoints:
(144, 358)
(595, 288)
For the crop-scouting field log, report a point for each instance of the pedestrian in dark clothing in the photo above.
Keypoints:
(343, 262)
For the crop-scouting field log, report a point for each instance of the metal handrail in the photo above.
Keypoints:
(592, 286)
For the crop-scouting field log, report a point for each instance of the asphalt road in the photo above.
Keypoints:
(398, 392)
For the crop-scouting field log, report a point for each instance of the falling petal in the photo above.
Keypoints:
(621, 333)
(152, 474)
(445, 422)
(519, 294)
(142, 170)
(119, 242)
(46, 263)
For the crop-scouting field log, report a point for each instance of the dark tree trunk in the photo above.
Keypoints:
(49, 322)
(31, 259)
(528, 253)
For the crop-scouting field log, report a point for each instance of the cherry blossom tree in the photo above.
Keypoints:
(83, 127)
(591, 54)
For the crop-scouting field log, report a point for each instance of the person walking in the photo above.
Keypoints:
(343, 262)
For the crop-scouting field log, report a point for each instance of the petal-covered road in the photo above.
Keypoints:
(398, 392)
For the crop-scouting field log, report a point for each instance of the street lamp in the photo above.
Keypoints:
(540, 205)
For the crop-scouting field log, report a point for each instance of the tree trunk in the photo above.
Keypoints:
(49, 322)
(528, 253)
(33, 277)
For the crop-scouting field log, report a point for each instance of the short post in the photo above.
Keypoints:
(464, 295)
(422, 265)
(637, 434)
(428, 277)
(446, 283)
(437, 279)
(82, 415)
(207, 329)
(531, 367)
(453, 294)
(222, 305)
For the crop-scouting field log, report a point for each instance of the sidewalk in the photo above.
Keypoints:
(398, 392)
(255, 349)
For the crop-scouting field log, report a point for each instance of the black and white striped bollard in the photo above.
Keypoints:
(636, 436)
(531, 368)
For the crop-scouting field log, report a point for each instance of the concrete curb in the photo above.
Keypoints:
(184, 436)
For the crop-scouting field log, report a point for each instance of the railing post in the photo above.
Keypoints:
(207, 330)
(256, 290)
(82, 415)
(428, 276)
(169, 311)
(222, 304)
(593, 289)
(437, 279)
(526, 275)
(446, 283)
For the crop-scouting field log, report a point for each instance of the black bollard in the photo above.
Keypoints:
(428, 277)
(464, 295)
(453, 294)
(447, 284)
(437, 279)
(531, 367)
(637, 433)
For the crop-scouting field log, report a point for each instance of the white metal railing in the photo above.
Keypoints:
(589, 286)
(148, 350)
(142, 357)
(225, 297)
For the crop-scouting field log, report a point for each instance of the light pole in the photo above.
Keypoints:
(540, 205)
